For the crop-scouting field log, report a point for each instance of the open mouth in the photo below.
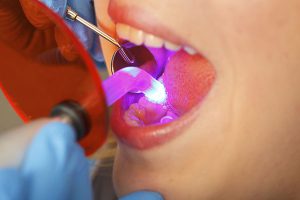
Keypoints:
(187, 77)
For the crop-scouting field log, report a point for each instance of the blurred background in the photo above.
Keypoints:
(8, 118)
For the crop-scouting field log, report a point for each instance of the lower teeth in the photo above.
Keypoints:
(148, 113)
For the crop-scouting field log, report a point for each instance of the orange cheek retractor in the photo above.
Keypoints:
(43, 66)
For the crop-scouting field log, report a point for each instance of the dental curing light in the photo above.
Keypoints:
(47, 71)
(43, 67)
(135, 80)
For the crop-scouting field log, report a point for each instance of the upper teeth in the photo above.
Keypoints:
(140, 37)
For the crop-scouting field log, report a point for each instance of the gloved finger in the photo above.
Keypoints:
(82, 185)
(35, 15)
(11, 186)
(145, 195)
(54, 164)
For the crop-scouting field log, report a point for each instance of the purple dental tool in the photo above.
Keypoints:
(136, 80)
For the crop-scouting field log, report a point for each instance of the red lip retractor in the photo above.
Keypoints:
(44, 65)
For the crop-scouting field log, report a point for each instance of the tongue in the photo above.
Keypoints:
(187, 80)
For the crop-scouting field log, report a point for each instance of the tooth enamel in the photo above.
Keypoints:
(190, 50)
(123, 31)
(171, 46)
(136, 36)
(153, 41)
(139, 37)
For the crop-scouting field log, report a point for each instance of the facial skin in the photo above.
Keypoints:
(245, 142)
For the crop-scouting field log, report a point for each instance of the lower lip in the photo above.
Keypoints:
(147, 137)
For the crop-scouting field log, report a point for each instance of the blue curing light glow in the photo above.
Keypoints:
(134, 80)
(156, 93)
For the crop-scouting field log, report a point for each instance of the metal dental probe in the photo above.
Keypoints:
(71, 14)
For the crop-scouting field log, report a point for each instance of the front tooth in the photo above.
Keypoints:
(190, 50)
(171, 46)
(123, 31)
(136, 36)
(153, 41)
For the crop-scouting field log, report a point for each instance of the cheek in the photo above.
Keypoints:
(252, 23)
(106, 24)
(103, 19)
(108, 50)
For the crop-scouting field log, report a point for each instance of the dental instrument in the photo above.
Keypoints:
(130, 79)
(142, 78)
(66, 88)
(123, 52)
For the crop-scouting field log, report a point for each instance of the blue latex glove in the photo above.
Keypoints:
(54, 167)
(85, 8)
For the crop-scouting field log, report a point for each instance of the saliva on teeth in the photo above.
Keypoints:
(136, 80)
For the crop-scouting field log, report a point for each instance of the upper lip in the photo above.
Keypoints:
(137, 17)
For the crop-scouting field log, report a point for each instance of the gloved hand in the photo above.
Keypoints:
(54, 167)
(85, 8)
